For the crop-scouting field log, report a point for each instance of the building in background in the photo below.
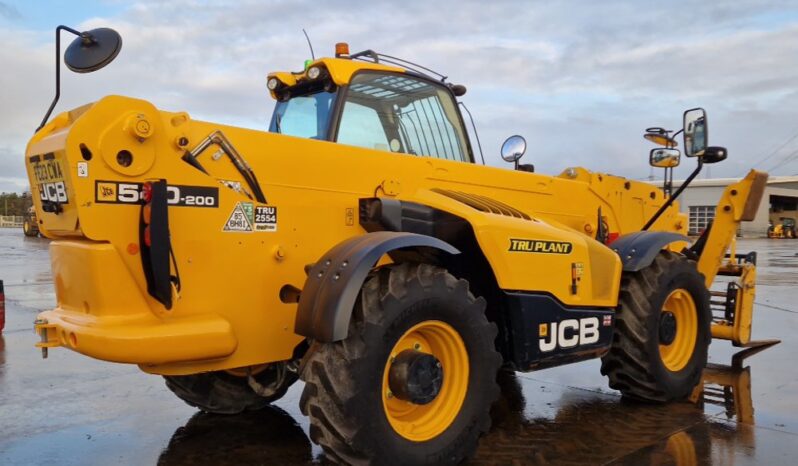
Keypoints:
(780, 201)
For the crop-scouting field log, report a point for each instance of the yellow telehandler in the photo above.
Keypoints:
(359, 246)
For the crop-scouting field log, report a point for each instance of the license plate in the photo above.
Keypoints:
(50, 179)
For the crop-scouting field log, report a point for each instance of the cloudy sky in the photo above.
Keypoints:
(580, 80)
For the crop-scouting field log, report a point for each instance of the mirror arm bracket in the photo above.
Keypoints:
(674, 195)
(84, 36)
(667, 182)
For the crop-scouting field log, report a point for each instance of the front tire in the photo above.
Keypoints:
(361, 412)
(662, 331)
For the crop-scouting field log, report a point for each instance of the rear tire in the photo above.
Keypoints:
(662, 331)
(223, 393)
(356, 417)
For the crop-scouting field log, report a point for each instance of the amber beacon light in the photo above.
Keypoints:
(341, 49)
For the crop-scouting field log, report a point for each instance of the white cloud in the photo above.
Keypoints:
(581, 80)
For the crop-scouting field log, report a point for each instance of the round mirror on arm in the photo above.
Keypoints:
(660, 136)
(513, 148)
(93, 50)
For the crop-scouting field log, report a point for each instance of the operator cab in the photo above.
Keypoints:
(367, 104)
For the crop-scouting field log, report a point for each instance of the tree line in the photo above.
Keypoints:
(14, 203)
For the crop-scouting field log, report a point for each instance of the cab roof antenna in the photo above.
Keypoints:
(312, 56)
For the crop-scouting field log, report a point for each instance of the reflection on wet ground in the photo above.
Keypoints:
(593, 428)
(586, 429)
(248, 438)
(73, 410)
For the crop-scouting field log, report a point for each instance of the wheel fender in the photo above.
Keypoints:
(638, 250)
(334, 281)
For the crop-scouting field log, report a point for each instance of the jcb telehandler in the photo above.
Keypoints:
(784, 229)
(358, 246)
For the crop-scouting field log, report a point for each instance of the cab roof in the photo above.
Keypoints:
(340, 71)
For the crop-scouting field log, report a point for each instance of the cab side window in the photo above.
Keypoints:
(401, 113)
(361, 126)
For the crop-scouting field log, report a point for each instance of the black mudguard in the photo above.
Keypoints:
(334, 282)
(638, 250)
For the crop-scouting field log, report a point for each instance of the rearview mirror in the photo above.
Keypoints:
(513, 148)
(93, 50)
(660, 136)
(695, 132)
(664, 158)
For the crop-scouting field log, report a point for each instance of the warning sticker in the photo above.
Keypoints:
(241, 219)
(248, 217)
(265, 218)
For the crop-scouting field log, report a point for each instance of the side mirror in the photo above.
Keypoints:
(695, 132)
(660, 136)
(664, 158)
(93, 50)
(714, 154)
(513, 148)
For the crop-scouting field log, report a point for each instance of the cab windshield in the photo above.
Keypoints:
(304, 116)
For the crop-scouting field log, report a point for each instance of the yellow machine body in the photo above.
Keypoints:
(230, 312)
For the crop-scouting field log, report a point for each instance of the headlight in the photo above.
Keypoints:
(314, 72)
(272, 83)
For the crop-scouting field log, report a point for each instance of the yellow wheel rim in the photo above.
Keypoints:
(419, 423)
(677, 354)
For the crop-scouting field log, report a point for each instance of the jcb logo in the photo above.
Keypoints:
(54, 192)
(568, 333)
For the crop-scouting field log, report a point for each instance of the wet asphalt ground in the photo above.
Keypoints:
(69, 409)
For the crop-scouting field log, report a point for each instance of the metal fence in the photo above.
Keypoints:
(11, 221)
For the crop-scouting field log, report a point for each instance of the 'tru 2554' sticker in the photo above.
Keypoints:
(248, 217)
(115, 192)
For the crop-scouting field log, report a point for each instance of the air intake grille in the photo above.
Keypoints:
(483, 203)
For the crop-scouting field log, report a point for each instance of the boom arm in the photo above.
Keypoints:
(739, 203)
